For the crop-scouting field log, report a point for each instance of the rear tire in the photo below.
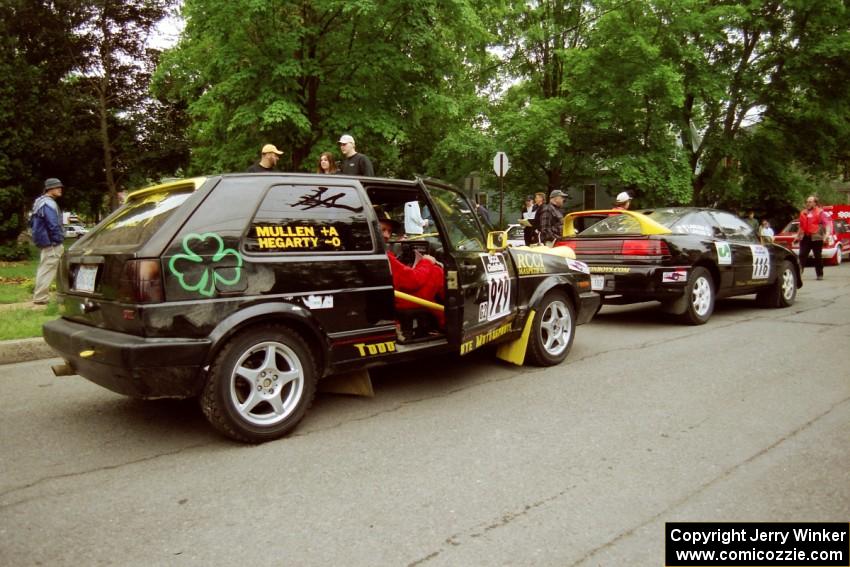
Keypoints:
(553, 330)
(260, 385)
(783, 291)
(699, 296)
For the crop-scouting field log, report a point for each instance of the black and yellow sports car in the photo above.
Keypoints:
(684, 257)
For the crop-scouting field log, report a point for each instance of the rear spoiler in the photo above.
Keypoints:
(193, 182)
(647, 225)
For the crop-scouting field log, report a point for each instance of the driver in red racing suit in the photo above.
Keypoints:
(424, 280)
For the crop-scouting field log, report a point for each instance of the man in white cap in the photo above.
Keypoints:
(47, 234)
(352, 162)
(268, 160)
(623, 201)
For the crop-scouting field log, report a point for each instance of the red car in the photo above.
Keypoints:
(835, 249)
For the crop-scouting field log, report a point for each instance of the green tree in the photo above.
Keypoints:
(114, 73)
(660, 97)
(301, 73)
(624, 92)
(533, 120)
(55, 99)
(33, 47)
(776, 62)
(591, 97)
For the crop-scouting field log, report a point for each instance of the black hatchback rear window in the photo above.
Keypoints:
(138, 219)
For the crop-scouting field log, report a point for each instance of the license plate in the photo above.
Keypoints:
(597, 283)
(84, 280)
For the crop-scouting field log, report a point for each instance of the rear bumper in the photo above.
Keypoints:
(130, 365)
(641, 283)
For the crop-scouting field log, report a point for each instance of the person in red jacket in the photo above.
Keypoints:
(424, 280)
(815, 227)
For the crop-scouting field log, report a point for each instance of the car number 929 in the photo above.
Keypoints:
(499, 296)
(498, 286)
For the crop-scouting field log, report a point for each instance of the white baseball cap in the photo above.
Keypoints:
(623, 197)
(346, 139)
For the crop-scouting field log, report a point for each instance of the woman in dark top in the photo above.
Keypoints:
(327, 164)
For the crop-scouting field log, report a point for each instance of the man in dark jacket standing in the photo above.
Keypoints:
(550, 219)
(352, 162)
(46, 219)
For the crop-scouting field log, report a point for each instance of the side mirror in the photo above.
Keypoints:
(497, 240)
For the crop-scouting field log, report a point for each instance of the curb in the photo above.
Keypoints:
(25, 350)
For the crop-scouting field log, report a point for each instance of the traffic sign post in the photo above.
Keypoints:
(501, 166)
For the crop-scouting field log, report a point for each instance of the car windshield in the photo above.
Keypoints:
(463, 228)
(135, 222)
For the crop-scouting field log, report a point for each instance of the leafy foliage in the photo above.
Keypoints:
(299, 74)
(75, 84)
(740, 105)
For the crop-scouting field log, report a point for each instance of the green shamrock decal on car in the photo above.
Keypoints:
(202, 273)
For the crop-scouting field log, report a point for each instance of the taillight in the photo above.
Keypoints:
(141, 282)
(570, 243)
(645, 247)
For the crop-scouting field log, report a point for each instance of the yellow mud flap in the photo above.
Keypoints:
(355, 383)
(514, 351)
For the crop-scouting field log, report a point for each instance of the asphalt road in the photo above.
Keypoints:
(456, 461)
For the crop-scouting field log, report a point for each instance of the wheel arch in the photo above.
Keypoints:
(712, 268)
(795, 262)
(562, 283)
(290, 315)
(679, 305)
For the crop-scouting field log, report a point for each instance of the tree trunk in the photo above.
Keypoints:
(103, 100)
(107, 149)
(553, 180)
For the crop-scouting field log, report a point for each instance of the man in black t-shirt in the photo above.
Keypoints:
(352, 162)
(268, 159)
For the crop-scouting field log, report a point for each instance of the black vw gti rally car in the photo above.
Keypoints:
(245, 290)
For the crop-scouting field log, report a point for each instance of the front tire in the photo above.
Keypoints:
(260, 385)
(783, 292)
(553, 330)
(699, 296)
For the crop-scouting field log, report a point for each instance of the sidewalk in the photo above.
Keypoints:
(23, 350)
